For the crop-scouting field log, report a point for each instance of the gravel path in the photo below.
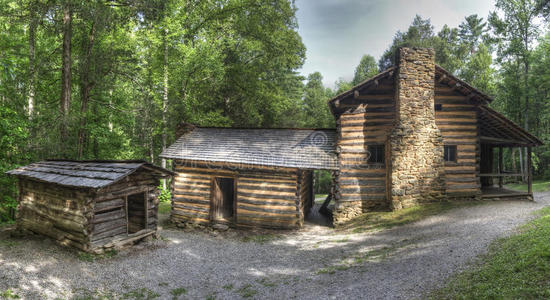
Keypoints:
(314, 263)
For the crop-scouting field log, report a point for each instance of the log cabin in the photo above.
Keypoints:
(248, 177)
(412, 134)
(89, 205)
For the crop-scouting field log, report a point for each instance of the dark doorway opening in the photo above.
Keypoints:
(223, 205)
(136, 212)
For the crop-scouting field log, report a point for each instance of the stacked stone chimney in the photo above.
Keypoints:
(416, 154)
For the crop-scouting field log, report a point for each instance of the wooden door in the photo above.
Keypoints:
(223, 199)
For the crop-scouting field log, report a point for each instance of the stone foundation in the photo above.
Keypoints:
(345, 211)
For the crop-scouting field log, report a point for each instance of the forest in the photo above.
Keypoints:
(112, 79)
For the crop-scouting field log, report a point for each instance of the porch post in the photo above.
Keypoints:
(500, 167)
(529, 172)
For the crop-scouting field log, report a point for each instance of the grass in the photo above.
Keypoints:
(246, 291)
(164, 208)
(228, 287)
(176, 293)
(141, 294)
(90, 257)
(261, 238)
(383, 220)
(319, 198)
(515, 267)
(538, 186)
(8, 294)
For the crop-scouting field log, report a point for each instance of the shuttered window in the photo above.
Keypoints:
(449, 153)
(376, 153)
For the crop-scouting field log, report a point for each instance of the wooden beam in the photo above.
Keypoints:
(500, 174)
(529, 172)
(490, 139)
(500, 165)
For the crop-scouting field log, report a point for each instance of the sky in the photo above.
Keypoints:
(337, 33)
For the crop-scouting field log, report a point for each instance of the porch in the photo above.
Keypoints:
(498, 133)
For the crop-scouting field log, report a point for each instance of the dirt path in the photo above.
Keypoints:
(315, 263)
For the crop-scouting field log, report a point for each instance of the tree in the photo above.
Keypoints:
(66, 74)
(367, 68)
(515, 32)
(316, 110)
(419, 34)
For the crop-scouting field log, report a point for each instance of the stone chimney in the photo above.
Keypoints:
(417, 167)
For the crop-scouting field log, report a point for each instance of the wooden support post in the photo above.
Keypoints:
(500, 166)
(529, 172)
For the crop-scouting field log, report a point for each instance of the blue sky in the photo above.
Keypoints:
(338, 32)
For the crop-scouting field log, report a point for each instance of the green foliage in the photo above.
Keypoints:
(165, 195)
(13, 135)
(516, 267)
(367, 68)
(323, 180)
(316, 110)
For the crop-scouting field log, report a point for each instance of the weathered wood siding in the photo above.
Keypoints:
(265, 197)
(457, 121)
(110, 211)
(360, 181)
(268, 199)
(58, 212)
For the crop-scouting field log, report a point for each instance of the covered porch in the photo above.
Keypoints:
(497, 133)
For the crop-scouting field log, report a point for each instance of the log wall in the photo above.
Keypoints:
(265, 197)
(362, 185)
(457, 122)
(110, 210)
(58, 212)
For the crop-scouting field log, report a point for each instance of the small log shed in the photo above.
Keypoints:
(90, 205)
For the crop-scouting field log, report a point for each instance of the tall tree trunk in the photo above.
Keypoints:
(85, 88)
(164, 102)
(65, 76)
(32, 40)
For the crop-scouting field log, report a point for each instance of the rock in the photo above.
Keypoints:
(220, 227)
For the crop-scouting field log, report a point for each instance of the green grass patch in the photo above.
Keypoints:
(246, 291)
(267, 283)
(90, 257)
(515, 267)
(228, 287)
(382, 220)
(176, 293)
(8, 294)
(261, 238)
(538, 186)
(141, 294)
(319, 198)
(165, 207)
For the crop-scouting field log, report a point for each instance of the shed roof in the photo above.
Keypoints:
(84, 174)
(293, 148)
(497, 130)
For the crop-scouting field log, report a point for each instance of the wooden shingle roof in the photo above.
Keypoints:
(496, 129)
(84, 174)
(293, 148)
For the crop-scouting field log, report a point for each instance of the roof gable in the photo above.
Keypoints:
(442, 76)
